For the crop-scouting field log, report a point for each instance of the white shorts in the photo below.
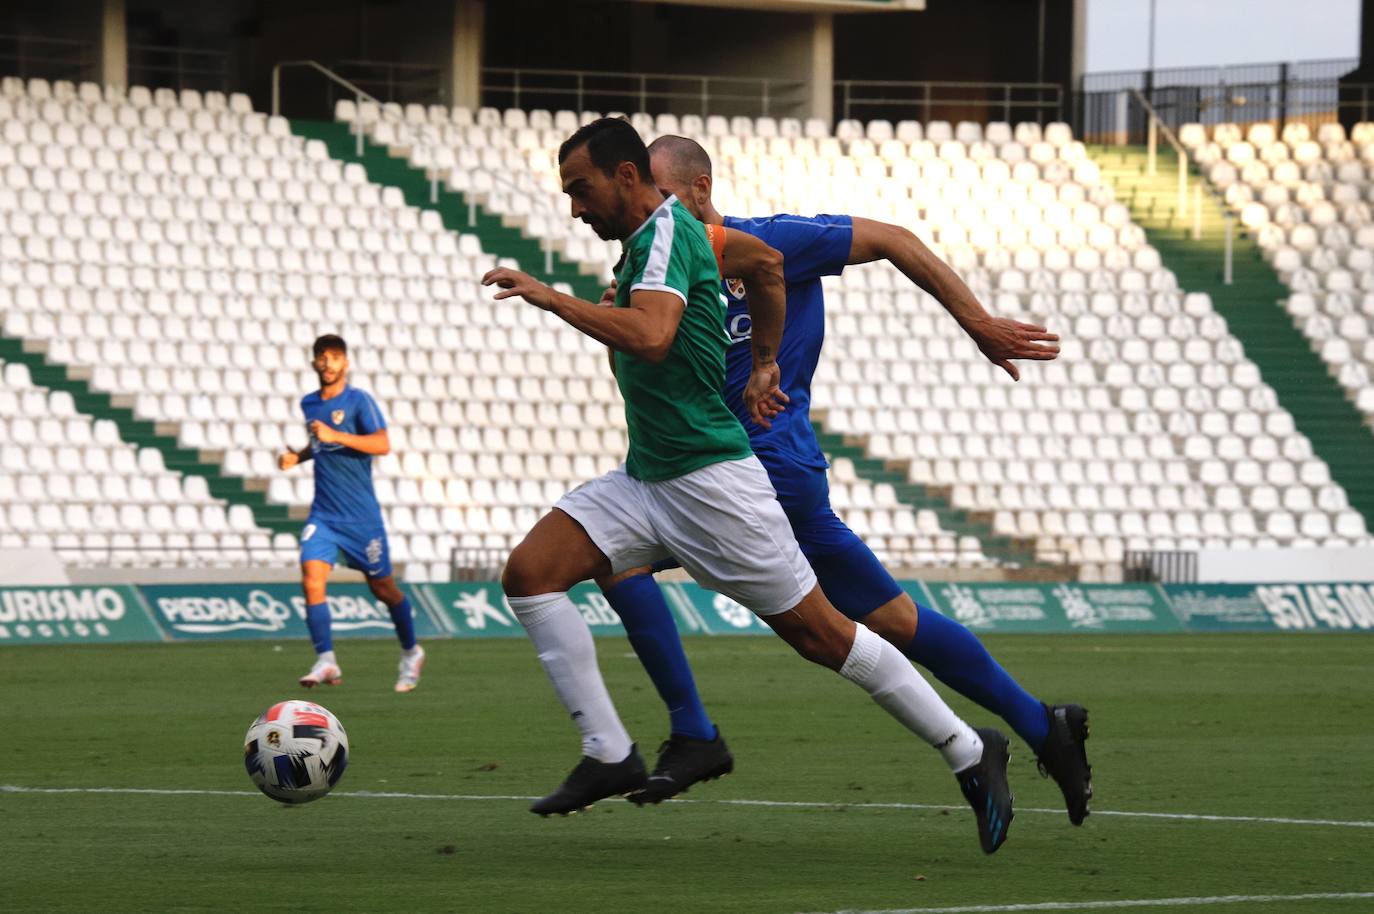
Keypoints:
(722, 522)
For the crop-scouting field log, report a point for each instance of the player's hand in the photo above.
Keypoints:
(513, 283)
(323, 433)
(288, 460)
(1002, 339)
(763, 396)
(608, 297)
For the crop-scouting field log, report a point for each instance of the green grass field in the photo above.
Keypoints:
(1269, 727)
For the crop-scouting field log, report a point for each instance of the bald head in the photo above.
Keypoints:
(684, 158)
(682, 167)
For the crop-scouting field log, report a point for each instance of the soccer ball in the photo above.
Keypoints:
(295, 751)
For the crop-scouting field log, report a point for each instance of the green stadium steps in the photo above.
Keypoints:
(141, 433)
(1252, 306)
(497, 238)
(961, 523)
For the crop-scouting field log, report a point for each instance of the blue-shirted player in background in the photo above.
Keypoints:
(346, 431)
(851, 576)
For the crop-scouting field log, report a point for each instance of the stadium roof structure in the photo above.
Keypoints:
(809, 6)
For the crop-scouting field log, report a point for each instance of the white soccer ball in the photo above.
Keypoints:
(295, 751)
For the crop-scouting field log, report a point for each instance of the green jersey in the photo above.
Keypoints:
(677, 418)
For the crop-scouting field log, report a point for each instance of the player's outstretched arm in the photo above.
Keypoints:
(1001, 339)
(760, 268)
(292, 458)
(377, 443)
(646, 329)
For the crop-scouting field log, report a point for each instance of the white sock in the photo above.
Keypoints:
(565, 648)
(326, 657)
(413, 651)
(882, 671)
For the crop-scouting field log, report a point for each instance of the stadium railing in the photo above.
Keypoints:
(160, 66)
(1155, 567)
(952, 101)
(582, 90)
(48, 58)
(1310, 92)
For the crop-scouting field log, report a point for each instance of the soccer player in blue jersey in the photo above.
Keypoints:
(346, 431)
(850, 575)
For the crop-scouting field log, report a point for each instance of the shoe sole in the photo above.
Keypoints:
(311, 683)
(723, 769)
(1079, 730)
(564, 813)
(1004, 746)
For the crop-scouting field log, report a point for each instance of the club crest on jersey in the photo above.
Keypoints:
(736, 288)
(337, 417)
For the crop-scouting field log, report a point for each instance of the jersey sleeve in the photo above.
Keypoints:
(370, 419)
(717, 235)
(659, 260)
(811, 247)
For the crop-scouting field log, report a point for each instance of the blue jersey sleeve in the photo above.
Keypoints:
(370, 419)
(811, 246)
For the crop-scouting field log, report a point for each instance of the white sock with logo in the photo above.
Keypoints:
(882, 671)
(564, 644)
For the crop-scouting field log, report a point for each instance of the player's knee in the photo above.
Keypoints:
(523, 575)
(385, 589)
(826, 649)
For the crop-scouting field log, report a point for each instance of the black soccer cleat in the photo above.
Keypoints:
(986, 789)
(1064, 758)
(682, 762)
(591, 781)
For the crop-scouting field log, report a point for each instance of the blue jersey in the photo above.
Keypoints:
(343, 476)
(811, 247)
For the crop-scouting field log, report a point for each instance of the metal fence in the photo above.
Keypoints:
(162, 66)
(1151, 567)
(1308, 91)
(982, 102)
(389, 81)
(654, 93)
(47, 58)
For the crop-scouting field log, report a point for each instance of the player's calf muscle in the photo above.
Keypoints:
(816, 631)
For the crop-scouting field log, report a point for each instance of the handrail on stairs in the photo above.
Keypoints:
(1155, 125)
(358, 131)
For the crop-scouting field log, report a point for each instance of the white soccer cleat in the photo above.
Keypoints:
(409, 676)
(322, 673)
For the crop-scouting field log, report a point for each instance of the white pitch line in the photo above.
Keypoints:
(776, 804)
(1119, 903)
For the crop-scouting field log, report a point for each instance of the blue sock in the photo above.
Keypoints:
(404, 620)
(959, 660)
(317, 620)
(654, 636)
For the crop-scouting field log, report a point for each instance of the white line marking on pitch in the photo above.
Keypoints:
(779, 804)
(1119, 903)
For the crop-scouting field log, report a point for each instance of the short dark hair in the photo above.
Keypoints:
(330, 342)
(686, 157)
(610, 141)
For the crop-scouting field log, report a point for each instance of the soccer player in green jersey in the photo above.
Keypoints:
(690, 487)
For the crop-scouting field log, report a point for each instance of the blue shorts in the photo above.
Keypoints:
(364, 548)
(849, 573)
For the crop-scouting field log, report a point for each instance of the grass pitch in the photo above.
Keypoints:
(1272, 727)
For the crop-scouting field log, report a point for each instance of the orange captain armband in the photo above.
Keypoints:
(715, 234)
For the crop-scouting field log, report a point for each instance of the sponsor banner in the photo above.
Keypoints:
(65, 615)
(1271, 607)
(220, 611)
(1065, 607)
(479, 610)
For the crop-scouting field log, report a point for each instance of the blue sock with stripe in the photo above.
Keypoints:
(317, 620)
(655, 639)
(959, 660)
(404, 620)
